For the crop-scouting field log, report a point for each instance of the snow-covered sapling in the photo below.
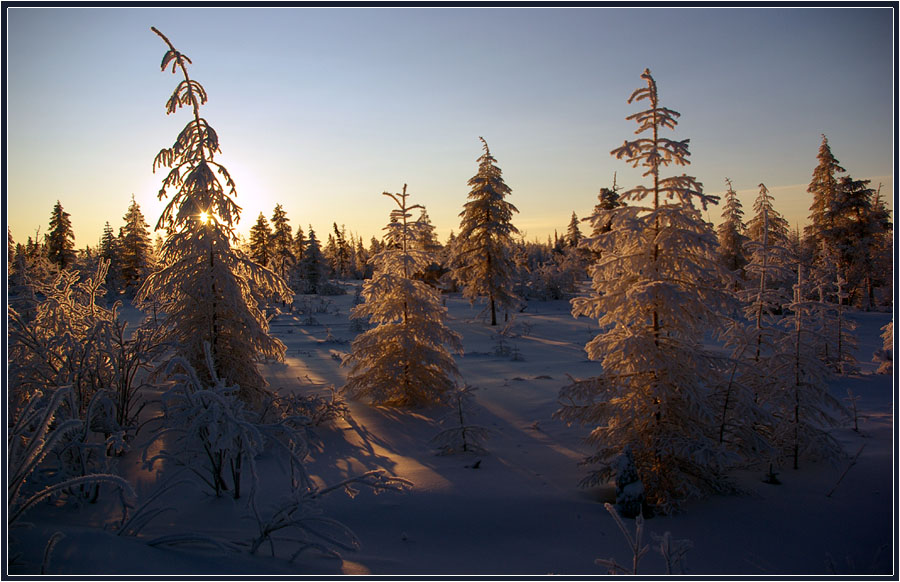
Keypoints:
(461, 436)
(404, 360)
(629, 489)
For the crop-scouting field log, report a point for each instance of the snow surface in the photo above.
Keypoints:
(520, 512)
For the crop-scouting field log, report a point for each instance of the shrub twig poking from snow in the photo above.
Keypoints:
(673, 551)
(301, 513)
(634, 543)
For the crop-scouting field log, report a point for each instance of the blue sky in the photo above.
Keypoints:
(322, 109)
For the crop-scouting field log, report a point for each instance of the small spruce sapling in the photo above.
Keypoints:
(462, 436)
(403, 361)
(629, 489)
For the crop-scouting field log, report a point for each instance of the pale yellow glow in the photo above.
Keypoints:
(204, 217)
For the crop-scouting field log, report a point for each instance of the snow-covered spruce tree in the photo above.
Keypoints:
(312, 270)
(260, 239)
(461, 436)
(109, 250)
(135, 251)
(768, 268)
(884, 356)
(804, 409)
(629, 489)
(824, 189)
(281, 243)
(483, 262)
(743, 420)
(731, 232)
(206, 286)
(573, 232)
(656, 294)
(402, 361)
(856, 224)
(60, 238)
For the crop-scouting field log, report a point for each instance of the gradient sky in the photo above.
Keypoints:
(322, 109)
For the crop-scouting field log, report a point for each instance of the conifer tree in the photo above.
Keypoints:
(341, 252)
(483, 262)
(655, 296)
(313, 268)
(824, 189)
(60, 239)
(798, 390)
(402, 361)
(731, 232)
(573, 233)
(134, 246)
(299, 243)
(282, 243)
(109, 250)
(260, 238)
(856, 224)
(608, 199)
(209, 289)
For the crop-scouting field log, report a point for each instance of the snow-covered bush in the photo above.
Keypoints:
(461, 436)
(63, 345)
(37, 442)
(207, 429)
(402, 361)
(629, 489)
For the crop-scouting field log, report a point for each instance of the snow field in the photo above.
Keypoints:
(520, 512)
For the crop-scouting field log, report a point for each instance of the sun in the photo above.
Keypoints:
(204, 217)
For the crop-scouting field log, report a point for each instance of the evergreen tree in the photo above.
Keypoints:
(282, 243)
(856, 224)
(341, 252)
(608, 199)
(134, 246)
(260, 239)
(798, 390)
(731, 232)
(483, 262)
(655, 296)
(60, 239)
(209, 290)
(824, 189)
(573, 233)
(109, 250)
(402, 361)
(313, 267)
(299, 243)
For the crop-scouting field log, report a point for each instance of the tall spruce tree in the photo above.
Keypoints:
(483, 263)
(60, 239)
(282, 243)
(136, 254)
(655, 296)
(402, 361)
(313, 268)
(573, 232)
(260, 241)
(824, 190)
(209, 289)
(731, 232)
